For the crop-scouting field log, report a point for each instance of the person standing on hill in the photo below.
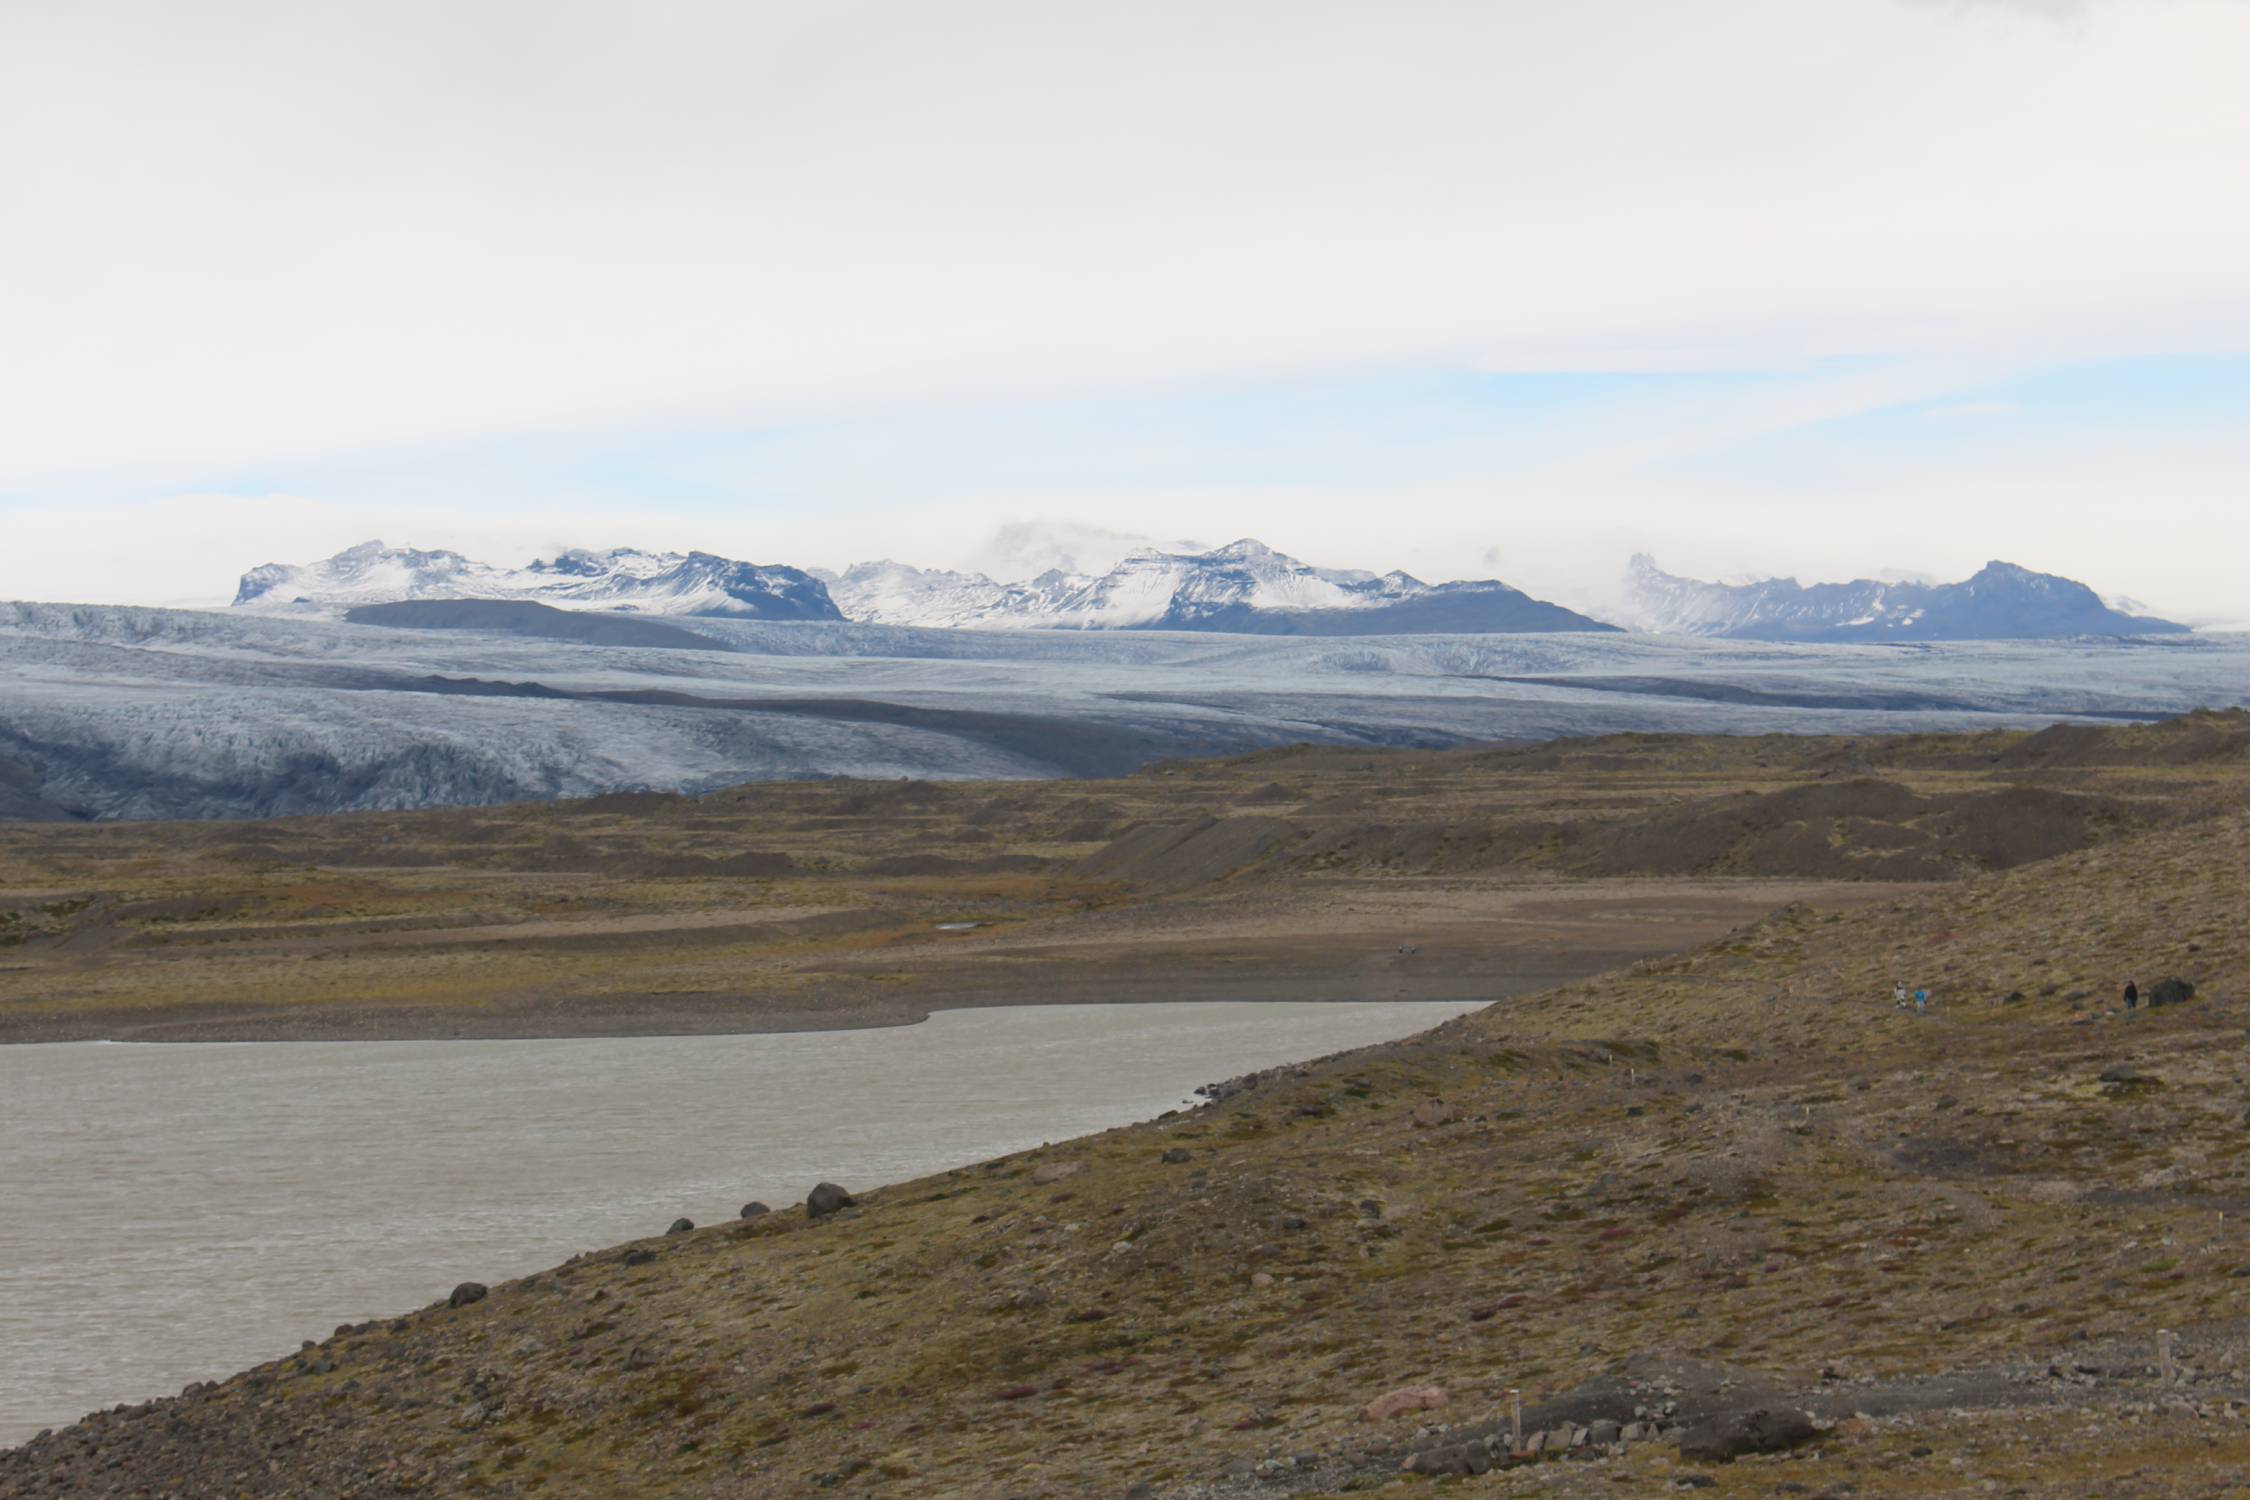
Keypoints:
(1921, 1002)
(2132, 995)
(1898, 994)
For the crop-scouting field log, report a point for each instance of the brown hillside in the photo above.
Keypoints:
(1288, 873)
(1735, 1178)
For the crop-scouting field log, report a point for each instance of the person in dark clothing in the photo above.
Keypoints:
(2132, 995)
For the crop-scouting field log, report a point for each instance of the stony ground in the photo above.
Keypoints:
(1292, 874)
(1729, 1197)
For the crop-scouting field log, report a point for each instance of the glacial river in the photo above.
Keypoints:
(172, 1213)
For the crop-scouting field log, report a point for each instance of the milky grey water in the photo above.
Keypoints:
(174, 1213)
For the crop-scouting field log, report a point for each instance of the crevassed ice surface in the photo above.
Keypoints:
(137, 712)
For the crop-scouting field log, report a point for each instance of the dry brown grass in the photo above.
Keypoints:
(1742, 1152)
(800, 904)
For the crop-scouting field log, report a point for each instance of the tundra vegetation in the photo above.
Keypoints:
(1714, 1213)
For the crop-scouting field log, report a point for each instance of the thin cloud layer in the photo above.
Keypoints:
(240, 232)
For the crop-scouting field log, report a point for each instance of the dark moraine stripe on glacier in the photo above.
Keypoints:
(1068, 746)
(1871, 699)
(520, 617)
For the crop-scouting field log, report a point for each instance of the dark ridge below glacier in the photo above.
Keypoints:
(1864, 699)
(524, 618)
(1447, 609)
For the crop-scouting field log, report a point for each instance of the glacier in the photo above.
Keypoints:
(123, 712)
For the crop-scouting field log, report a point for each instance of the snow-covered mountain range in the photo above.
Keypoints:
(662, 583)
(1245, 588)
(2001, 602)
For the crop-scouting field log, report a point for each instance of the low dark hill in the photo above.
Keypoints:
(1853, 830)
(1904, 807)
(1856, 830)
(2205, 738)
(538, 621)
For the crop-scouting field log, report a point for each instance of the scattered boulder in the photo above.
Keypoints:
(1401, 1401)
(1603, 1433)
(639, 1257)
(1050, 1172)
(466, 1293)
(1175, 1155)
(1451, 1458)
(681, 1226)
(2170, 992)
(1728, 1435)
(755, 1210)
(1431, 1113)
(2120, 1073)
(825, 1200)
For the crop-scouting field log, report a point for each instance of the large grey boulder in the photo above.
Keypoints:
(1728, 1435)
(825, 1200)
(2172, 991)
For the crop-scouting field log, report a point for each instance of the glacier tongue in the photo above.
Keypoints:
(109, 711)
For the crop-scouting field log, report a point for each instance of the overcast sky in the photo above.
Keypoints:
(1758, 285)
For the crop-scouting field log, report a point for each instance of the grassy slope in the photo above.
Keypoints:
(1743, 1153)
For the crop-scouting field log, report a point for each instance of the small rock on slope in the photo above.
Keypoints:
(825, 1200)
